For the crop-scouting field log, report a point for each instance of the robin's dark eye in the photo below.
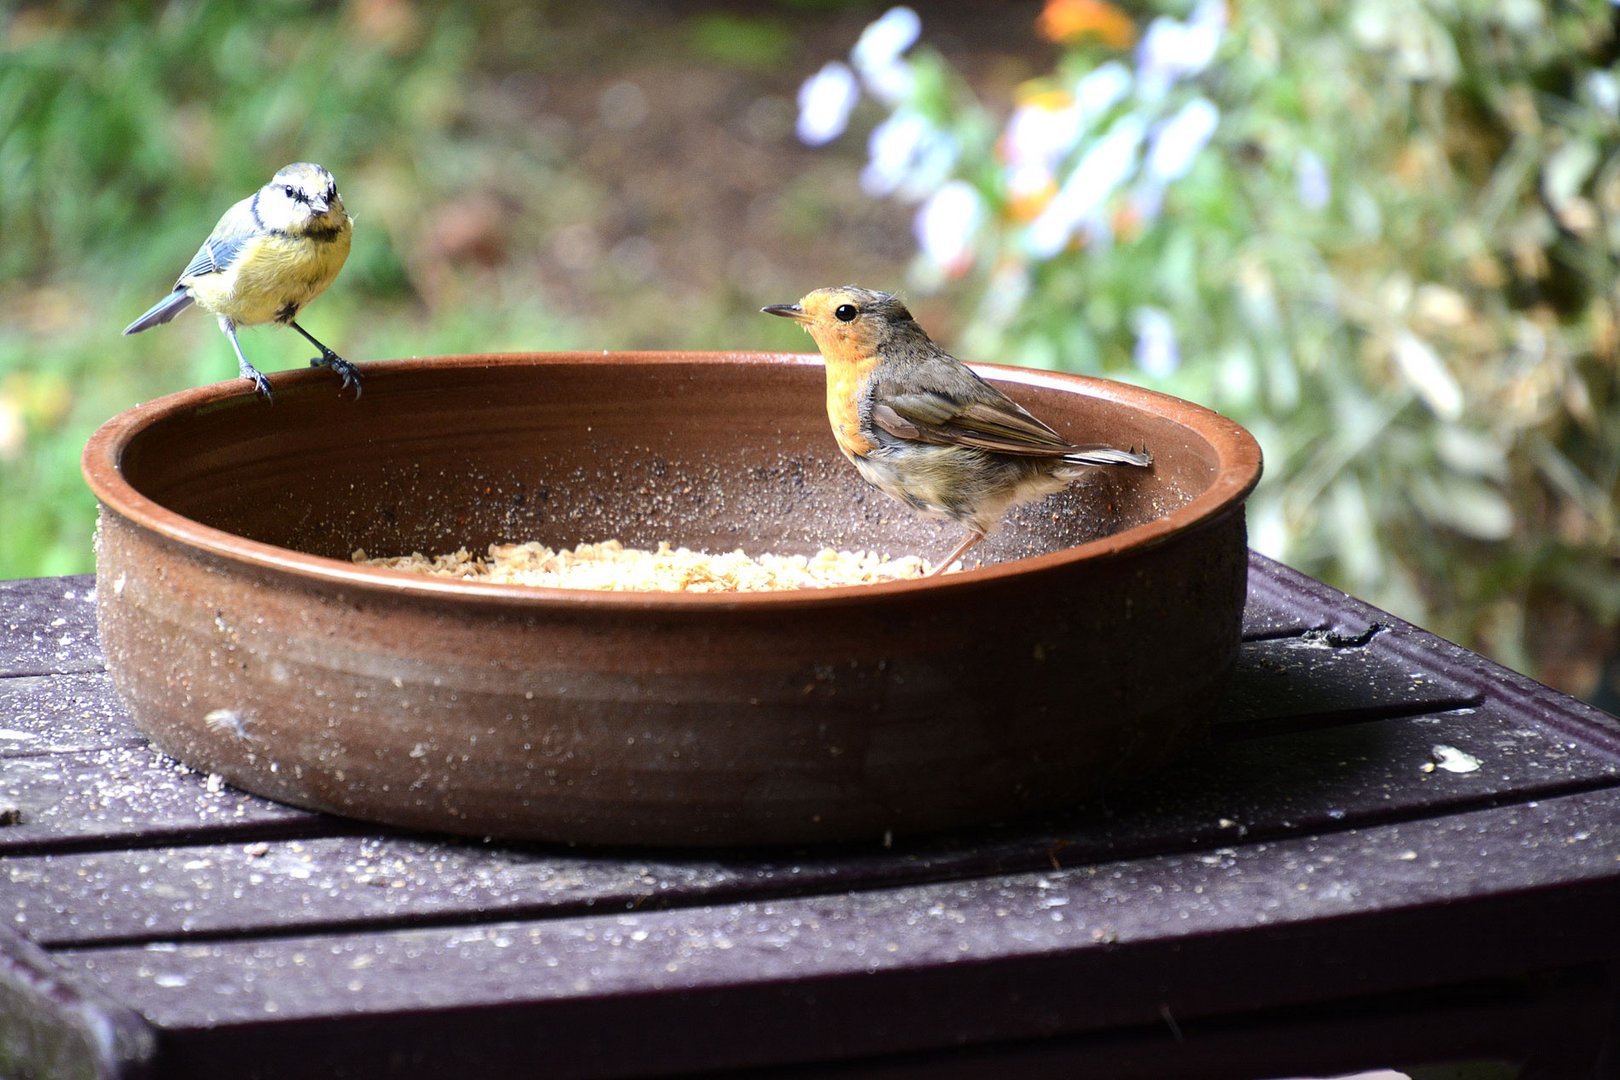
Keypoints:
(846, 312)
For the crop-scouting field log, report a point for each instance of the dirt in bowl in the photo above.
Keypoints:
(611, 566)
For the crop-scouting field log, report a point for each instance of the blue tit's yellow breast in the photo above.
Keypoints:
(272, 275)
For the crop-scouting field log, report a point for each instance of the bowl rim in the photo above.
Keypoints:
(1239, 465)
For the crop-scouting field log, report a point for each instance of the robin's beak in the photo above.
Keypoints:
(787, 311)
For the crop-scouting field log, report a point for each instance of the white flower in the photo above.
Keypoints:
(1311, 180)
(1101, 89)
(1175, 144)
(1171, 50)
(877, 55)
(1156, 353)
(947, 224)
(1041, 136)
(1079, 202)
(825, 102)
(906, 156)
(890, 150)
(1108, 163)
(1148, 200)
(1603, 89)
(1029, 184)
(1177, 141)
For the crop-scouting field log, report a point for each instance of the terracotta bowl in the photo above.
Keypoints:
(1088, 646)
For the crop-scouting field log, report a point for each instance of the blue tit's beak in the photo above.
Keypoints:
(318, 203)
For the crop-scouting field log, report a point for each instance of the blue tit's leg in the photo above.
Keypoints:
(349, 373)
(247, 370)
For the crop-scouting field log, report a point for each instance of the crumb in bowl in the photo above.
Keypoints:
(611, 566)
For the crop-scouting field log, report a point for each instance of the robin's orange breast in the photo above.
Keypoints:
(846, 380)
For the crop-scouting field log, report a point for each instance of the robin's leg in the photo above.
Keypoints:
(973, 537)
(347, 371)
(245, 369)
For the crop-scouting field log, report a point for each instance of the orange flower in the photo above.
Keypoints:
(1072, 22)
(1127, 221)
(1026, 205)
(1046, 98)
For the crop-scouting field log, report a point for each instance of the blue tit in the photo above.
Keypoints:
(269, 256)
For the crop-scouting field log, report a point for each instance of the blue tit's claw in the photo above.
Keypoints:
(260, 383)
(345, 370)
(252, 375)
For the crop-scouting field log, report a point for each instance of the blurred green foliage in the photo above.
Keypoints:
(126, 130)
(1391, 254)
(129, 120)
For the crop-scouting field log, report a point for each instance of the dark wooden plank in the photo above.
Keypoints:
(57, 714)
(1342, 778)
(1577, 721)
(1274, 586)
(1436, 902)
(1289, 684)
(1555, 1023)
(1280, 685)
(49, 626)
(53, 1025)
(129, 795)
(185, 893)
(1285, 764)
(1271, 610)
(1350, 776)
(1282, 599)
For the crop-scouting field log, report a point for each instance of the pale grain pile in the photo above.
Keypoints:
(610, 565)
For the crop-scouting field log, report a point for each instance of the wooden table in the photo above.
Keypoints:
(1394, 851)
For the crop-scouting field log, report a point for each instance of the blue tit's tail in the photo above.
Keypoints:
(1105, 455)
(161, 312)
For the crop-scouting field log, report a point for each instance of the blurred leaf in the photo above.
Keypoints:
(1469, 506)
(736, 41)
(1472, 452)
(1567, 170)
(1428, 375)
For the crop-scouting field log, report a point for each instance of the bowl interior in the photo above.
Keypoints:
(710, 451)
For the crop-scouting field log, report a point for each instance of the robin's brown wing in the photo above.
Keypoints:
(969, 412)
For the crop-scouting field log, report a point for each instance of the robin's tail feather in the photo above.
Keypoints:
(161, 312)
(1107, 455)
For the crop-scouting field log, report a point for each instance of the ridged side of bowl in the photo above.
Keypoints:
(247, 646)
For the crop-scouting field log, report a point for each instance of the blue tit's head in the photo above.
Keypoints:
(301, 198)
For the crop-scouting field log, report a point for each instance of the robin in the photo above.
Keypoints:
(924, 429)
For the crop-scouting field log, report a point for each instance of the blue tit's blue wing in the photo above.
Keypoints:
(225, 244)
(216, 254)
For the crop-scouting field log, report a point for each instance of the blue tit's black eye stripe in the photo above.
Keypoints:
(253, 208)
